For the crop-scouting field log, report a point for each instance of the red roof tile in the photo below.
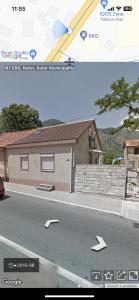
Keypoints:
(11, 137)
(57, 133)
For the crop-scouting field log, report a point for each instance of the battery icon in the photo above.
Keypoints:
(127, 8)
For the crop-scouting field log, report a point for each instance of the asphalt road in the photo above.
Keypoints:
(68, 243)
(43, 278)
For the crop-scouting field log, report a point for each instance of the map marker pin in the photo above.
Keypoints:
(104, 3)
(83, 34)
(33, 53)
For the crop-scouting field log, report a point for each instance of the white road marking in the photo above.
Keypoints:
(101, 244)
(79, 281)
(47, 224)
(65, 202)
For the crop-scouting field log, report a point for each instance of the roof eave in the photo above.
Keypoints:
(36, 144)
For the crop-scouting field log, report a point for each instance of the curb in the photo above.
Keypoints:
(68, 203)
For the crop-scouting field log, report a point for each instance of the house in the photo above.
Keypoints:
(50, 154)
(5, 140)
(131, 153)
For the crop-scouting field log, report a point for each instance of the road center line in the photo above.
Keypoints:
(79, 281)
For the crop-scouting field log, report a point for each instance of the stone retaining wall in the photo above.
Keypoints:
(104, 179)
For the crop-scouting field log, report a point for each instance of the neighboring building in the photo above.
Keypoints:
(5, 140)
(131, 153)
(49, 155)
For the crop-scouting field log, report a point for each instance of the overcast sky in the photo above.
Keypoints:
(67, 95)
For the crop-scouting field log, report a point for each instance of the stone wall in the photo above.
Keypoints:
(103, 180)
(132, 188)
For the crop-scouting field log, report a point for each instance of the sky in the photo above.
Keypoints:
(67, 96)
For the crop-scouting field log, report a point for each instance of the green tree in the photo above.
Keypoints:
(19, 117)
(108, 158)
(123, 95)
(1, 129)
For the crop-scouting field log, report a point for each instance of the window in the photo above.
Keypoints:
(92, 140)
(136, 150)
(24, 162)
(47, 162)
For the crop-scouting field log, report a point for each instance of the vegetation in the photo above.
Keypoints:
(122, 95)
(19, 117)
(113, 144)
(108, 158)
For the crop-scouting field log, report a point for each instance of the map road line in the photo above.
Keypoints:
(76, 25)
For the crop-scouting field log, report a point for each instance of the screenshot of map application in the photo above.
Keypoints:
(69, 177)
(83, 30)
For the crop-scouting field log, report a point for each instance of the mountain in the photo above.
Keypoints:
(113, 144)
(52, 122)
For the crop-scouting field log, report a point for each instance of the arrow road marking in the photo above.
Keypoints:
(99, 246)
(47, 224)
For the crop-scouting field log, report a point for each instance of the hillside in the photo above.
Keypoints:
(52, 122)
(113, 144)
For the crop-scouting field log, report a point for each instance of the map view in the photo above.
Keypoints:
(58, 30)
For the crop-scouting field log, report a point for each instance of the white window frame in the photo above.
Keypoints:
(21, 165)
(49, 155)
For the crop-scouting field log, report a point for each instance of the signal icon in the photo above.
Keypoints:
(111, 9)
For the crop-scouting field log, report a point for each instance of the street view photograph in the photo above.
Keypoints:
(69, 175)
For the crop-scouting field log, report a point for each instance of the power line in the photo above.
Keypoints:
(81, 117)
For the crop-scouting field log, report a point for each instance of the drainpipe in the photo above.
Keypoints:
(5, 163)
(71, 169)
(100, 159)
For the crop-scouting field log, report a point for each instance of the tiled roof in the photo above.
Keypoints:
(57, 133)
(131, 143)
(11, 137)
